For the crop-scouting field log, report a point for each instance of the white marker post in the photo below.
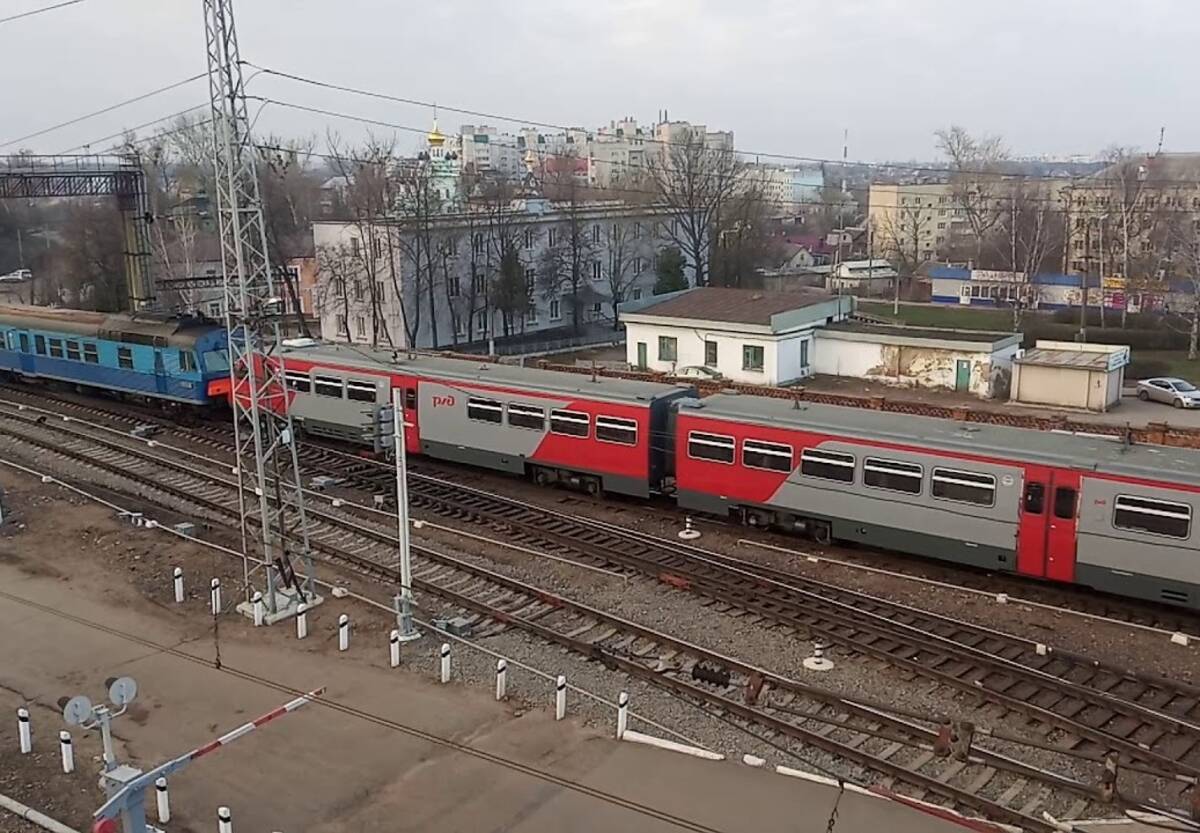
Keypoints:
(224, 820)
(394, 648)
(622, 714)
(560, 697)
(24, 732)
(501, 679)
(404, 611)
(445, 662)
(259, 609)
(68, 751)
(179, 585)
(301, 620)
(343, 632)
(215, 593)
(164, 800)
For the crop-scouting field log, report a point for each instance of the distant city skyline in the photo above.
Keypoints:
(1054, 79)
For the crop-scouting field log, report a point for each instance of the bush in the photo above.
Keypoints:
(1112, 318)
(1145, 368)
(1163, 337)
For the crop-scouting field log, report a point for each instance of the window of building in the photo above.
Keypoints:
(39, 345)
(1158, 517)
(214, 309)
(616, 430)
(1064, 503)
(360, 390)
(710, 353)
(124, 356)
(830, 465)
(597, 274)
(893, 475)
(377, 247)
(477, 243)
(964, 486)
(358, 290)
(804, 354)
(298, 381)
(528, 238)
(752, 357)
(380, 291)
(637, 294)
(355, 247)
(56, 348)
(526, 416)
(597, 309)
(485, 410)
(570, 423)
(330, 386)
(452, 289)
(341, 324)
(460, 325)
(187, 359)
(637, 230)
(531, 316)
(715, 447)
(555, 309)
(477, 282)
(73, 351)
(639, 265)
(360, 326)
(596, 233)
(481, 321)
(552, 237)
(759, 454)
(668, 347)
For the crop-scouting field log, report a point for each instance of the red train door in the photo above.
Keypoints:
(1046, 535)
(1063, 521)
(407, 386)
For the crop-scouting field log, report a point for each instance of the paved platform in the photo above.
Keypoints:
(328, 771)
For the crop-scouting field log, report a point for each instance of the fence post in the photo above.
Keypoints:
(164, 801)
(501, 679)
(224, 820)
(445, 662)
(301, 620)
(215, 593)
(622, 714)
(259, 608)
(394, 648)
(178, 585)
(68, 751)
(24, 731)
(343, 632)
(560, 697)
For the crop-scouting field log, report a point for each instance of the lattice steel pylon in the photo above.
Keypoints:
(268, 471)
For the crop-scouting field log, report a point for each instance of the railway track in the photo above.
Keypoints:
(903, 754)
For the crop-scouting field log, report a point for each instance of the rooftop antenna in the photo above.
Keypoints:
(1162, 132)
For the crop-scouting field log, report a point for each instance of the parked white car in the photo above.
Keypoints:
(699, 371)
(1178, 392)
(17, 276)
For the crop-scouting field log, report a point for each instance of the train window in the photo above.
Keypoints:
(298, 381)
(893, 475)
(360, 391)
(616, 430)
(39, 345)
(330, 386)
(1064, 503)
(964, 486)
(73, 352)
(526, 416)
(571, 423)
(124, 356)
(91, 353)
(1159, 517)
(758, 454)
(187, 361)
(485, 410)
(24, 342)
(831, 465)
(715, 447)
(410, 399)
(1035, 498)
(56, 348)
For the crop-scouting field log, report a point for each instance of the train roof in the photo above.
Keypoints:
(485, 372)
(1079, 451)
(152, 328)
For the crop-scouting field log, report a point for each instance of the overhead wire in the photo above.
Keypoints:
(42, 10)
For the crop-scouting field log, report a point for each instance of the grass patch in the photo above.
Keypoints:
(1163, 363)
(944, 318)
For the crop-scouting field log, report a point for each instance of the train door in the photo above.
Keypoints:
(412, 425)
(26, 353)
(160, 373)
(1046, 535)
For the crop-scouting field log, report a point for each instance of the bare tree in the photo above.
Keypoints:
(420, 207)
(1033, 232)
(1182, 262)
(899, 235)
(289, 197)
(694, 182)
(976, 178)
(622, 259)
(745, 242)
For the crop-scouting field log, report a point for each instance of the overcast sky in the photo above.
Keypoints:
(1052, 76)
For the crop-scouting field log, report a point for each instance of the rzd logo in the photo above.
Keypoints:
(443, 401)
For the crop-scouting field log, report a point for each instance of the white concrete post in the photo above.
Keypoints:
(215, 593)
(622, 714)
(259, 608)
(501, 679)
(445, 662)
(24, 732)
(394, 648)
(178, 585)
(301, 620)
(164, 800)
(224, 820)
(560, 697)
(343, 632)
(68, 751)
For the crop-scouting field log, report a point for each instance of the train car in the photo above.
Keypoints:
(1071, 508)
(600, 434)
(170, 358)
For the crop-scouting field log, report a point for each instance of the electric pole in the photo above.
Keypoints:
(270, 494)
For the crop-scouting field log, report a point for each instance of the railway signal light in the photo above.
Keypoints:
(381, 431)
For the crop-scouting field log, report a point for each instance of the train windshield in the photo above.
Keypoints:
(215, 361)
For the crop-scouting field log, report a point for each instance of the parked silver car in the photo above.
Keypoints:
(1178, 392)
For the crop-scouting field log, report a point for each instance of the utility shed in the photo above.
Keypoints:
(1064, 374)
(968, 361)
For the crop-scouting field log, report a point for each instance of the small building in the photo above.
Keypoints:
(862, 277)
(961, 286)
(969, 361)
(744, 335)
(1066, 374)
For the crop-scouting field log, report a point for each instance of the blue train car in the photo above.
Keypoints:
(157, 356)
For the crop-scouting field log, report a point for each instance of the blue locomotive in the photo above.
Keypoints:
(174, 358)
